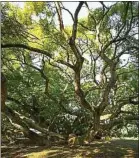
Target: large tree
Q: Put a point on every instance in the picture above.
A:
(65, 76)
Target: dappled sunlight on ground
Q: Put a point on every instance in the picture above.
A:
(97, 149)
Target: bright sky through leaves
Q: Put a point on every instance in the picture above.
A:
(83, 13)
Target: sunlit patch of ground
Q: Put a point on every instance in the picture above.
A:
(97, 149)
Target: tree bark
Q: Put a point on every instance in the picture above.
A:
(96, 121)
(3, 91)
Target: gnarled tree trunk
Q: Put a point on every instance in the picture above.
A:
(96, 121)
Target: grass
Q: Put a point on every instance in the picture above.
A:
(124, 148)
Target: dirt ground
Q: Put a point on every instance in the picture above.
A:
(97, 149)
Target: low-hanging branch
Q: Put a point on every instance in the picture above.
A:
(10, 45)
(28, 123)
(115, 122)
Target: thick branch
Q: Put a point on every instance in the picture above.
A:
(119, 120)
(27, 123)
(74, 30)
(79, 92)
(121, 103)
(26, 47)
(73, 37)
(109, 86)
(66, 63)
(59, 13)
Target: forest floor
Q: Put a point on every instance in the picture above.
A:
(119, 148)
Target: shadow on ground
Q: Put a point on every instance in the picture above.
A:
(98, 149)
